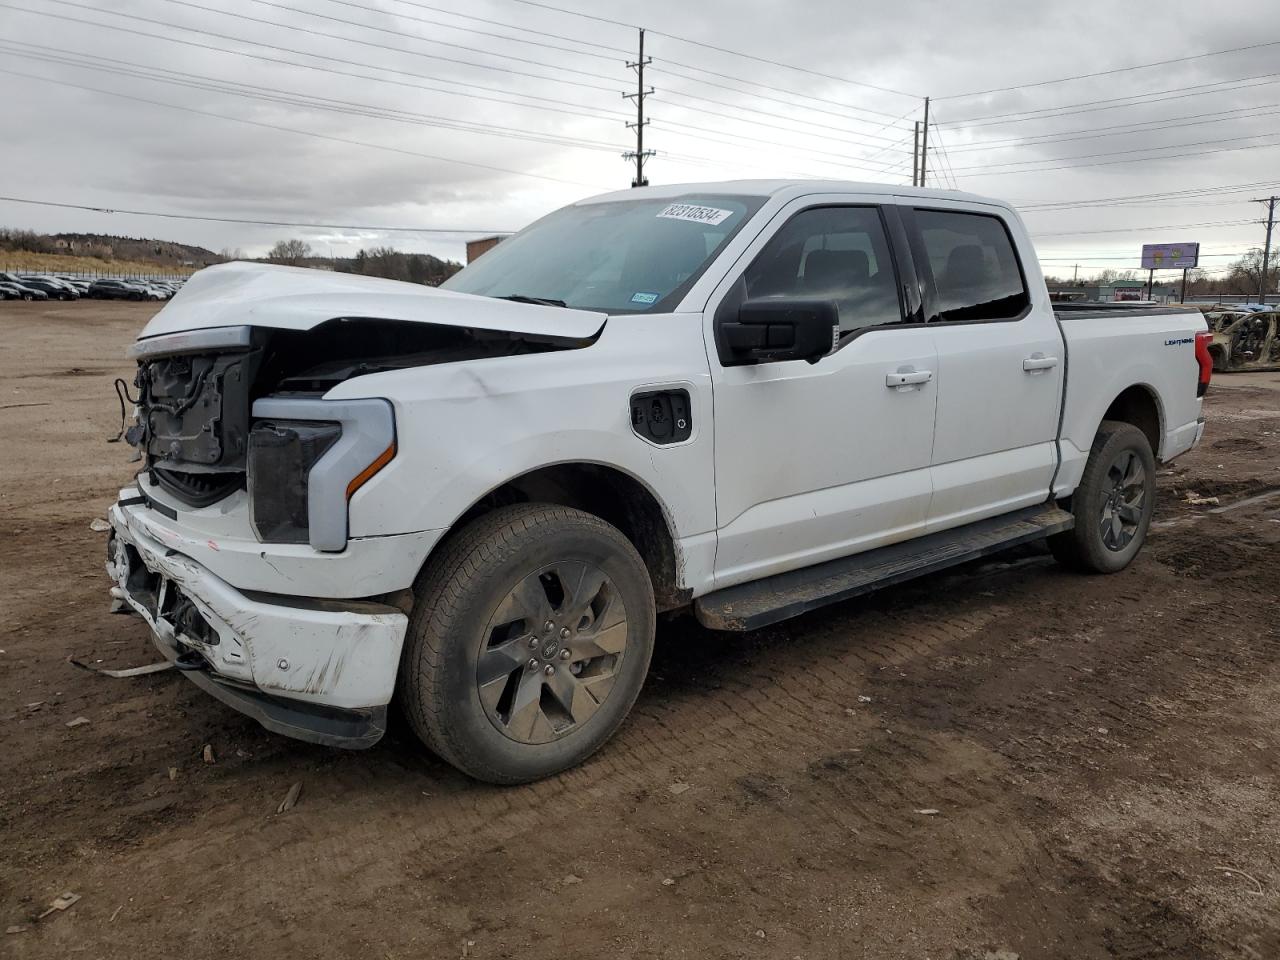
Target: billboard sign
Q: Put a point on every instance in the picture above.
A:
(1170, 256)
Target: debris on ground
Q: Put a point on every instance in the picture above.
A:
(1196, 500)
(928, 812)
(291, 798)
(173, 773)
(122, 674)
(864, 699)
(571, 879)
(668, 882)
(98, 525)
(68, 899)
(35, 705)
(16, 928)
(207, 753)
(115, 913)
(78, 722)
(678, 787)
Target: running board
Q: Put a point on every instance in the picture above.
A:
(749, 606)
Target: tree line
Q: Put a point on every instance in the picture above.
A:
(375, 262)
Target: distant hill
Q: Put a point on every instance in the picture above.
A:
(164, 253)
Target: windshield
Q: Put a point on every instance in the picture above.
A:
(626, 256)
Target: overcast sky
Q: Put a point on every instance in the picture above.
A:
(396, 113)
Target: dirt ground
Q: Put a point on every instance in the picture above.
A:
(1009, 760)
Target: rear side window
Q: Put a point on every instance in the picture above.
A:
(831, 253)
(975, 268)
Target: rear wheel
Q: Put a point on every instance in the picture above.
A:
(1113, 503)
(529, 642)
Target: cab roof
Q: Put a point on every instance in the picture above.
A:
(788, 190)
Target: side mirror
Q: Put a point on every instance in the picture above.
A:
(771, 330)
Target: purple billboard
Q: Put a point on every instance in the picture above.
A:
(1169, 256)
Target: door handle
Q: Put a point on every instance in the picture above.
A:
(1038, 362)
(905, 378)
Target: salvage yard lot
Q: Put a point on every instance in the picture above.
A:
(1009, 758)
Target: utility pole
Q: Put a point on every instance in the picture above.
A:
(1266, 250)
(915, 158)
(1075, 274)
(639, 154)
(924, 144)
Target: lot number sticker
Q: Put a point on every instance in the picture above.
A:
(687, 211)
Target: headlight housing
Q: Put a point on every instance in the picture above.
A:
(307, 457)
(281, 455)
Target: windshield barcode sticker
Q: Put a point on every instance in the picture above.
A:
(687, 211)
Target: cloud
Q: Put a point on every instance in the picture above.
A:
(368, 158)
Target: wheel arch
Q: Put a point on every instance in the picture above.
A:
(1139, 405)
(614, 496)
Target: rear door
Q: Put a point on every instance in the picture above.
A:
(815, 461)
(1000, 363)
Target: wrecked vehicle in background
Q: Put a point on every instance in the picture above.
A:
(748, 398)
(1243, 339)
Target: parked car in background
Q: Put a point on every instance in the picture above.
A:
(117, 290)
(17, 291)
(56, 289)
(23, 287)
(81, 285)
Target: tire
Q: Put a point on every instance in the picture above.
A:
(1112, 504)
(27, 297)
(478, 604)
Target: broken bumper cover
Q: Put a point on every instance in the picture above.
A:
(321, 671)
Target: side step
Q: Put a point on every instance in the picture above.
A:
(749, 606)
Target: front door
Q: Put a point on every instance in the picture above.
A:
(816, 461)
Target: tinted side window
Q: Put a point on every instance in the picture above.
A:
(975, 269)
(836, 253)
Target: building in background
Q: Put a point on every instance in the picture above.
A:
(1115, 291)
(477, 247)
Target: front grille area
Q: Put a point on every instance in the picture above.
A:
(198, 489)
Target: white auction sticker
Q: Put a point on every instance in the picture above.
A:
(687, 211)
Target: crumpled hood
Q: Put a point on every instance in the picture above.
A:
(297, 298)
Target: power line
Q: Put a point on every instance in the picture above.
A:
(501, 23)
(276, 95)
(1093, 106)
(817, 155)
(307, 133)
(383, 46)
(1123, 129)
(332, 36)
(1116, 153)
(1108, 163)
(1111, 72)
(244, 220)
(710, 46)
(1189, 191)
(668, 93)
(132, 31)
(765, 86)
(453, 26)
(1162, 226)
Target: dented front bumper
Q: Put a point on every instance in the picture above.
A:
(317, 670)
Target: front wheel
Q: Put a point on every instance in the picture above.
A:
(529, 642)
(1113, 503)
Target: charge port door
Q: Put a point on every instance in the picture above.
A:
(662, 416)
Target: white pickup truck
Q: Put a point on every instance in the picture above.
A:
(747, 398)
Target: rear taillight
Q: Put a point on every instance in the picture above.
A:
(1204, 360)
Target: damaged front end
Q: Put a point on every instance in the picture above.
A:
(241, 408)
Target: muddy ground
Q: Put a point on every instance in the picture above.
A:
(1101, 754)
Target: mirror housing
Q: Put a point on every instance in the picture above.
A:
(773, 330)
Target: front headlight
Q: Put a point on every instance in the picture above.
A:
(307, 457)
(281, 455)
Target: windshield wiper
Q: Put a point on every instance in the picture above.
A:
(540, 301)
